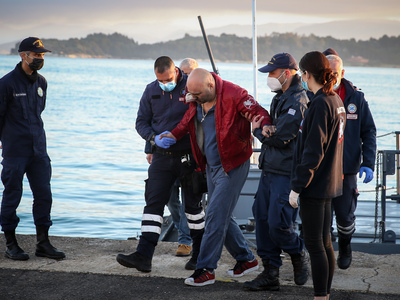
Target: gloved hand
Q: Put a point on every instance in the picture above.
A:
(369, 174)
(165, 142)
(293, 196)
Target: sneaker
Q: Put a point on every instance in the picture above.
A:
(243, 267)
(183, 250)
(191, 264)
(201, 277)
(135, 260)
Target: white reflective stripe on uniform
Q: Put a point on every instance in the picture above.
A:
(348, 228)
(195, 217)
(196, 226)
(153, 229)
(150, 217)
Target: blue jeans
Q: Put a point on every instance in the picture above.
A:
(220, 228)
(274, 218)
(178, 215)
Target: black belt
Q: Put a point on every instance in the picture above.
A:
(172, 153)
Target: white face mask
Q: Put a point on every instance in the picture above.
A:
(274, 83)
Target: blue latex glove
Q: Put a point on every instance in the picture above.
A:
(369, 174)
(165, 142)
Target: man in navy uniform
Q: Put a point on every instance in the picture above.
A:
(358, 156)
(22, 100)
(162, 108)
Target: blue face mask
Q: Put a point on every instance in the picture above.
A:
(169, 86)
(304, 84)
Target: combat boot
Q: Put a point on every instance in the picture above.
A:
(43, 246)
(196, 236)
(345, 255)
(135, 260)
(13, 251)
(267, 280)
(300, 267)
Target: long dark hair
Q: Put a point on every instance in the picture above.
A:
(318, 66)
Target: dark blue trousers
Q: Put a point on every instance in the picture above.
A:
(345, 206)
(38, 172)
(274, 218)
(163, 172)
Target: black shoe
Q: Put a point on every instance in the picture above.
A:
(43, 246)
(345, 256)
(135, 260)
(268, 280)
(300, 267)
(45, 249)
(16, 253)
(13, 251)
(191, 264)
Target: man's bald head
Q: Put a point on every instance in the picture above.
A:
(201, 85)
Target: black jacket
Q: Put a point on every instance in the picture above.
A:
(21, 105)
(318, 159)
(287, 111)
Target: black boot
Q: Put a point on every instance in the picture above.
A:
(300, 267)
(135, 260)
(345, 256)
(13, 251)
(196, 236)
(43, 246)
(267, 280)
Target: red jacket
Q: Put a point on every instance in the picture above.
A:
(232, 129)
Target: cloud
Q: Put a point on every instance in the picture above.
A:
(157, 20)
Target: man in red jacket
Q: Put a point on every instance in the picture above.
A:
(221, 143)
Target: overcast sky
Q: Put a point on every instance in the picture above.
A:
(149, 21)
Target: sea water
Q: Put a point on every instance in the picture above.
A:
(99, 165)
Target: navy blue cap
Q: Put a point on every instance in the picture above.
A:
(330, 51)
(280, 61)
(33, 44)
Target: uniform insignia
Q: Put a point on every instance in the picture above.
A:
(40, 91)
(351, 108)
(38, 44)
(341, 129)
(249, 102)
(182, 92)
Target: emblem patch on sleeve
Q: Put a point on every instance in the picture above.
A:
(249, 102)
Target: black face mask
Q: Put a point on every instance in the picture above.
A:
(37, 64)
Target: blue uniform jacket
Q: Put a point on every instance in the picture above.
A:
(360, 132)
(21, 104)
(160, 111)
(287, 111)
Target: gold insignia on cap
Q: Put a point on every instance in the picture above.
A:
(39, 44)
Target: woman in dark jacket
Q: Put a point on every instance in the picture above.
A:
(317, 173)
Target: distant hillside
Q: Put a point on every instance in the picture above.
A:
(373, 52)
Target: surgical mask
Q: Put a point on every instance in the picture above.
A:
(37, 63)
(336, 86)
(167, 87)
(274, 83)
(304, 84)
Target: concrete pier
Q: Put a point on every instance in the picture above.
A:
(90, 271)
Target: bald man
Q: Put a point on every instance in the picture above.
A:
(221, 144)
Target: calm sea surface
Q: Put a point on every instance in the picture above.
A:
(99, 166)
